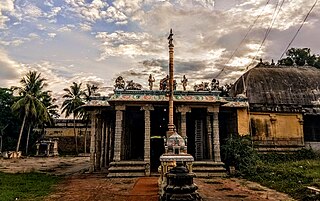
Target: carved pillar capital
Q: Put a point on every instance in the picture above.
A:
(147, 107)
(213, 109)
(183, 109)
(120, 107)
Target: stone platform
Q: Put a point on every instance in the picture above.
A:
(127, 169)
(207, 169)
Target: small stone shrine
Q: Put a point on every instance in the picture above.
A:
(47, 147)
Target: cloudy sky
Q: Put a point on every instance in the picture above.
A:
(97, 40)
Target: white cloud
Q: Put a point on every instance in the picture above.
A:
(67, 28)
(32, 11)
(85, 27)
(52, 35)
(114, 15)
(9, 70)
(33, 35)
(5, 6)
(54, 12)
(128, 44)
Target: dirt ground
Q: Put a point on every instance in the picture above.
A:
(81, 186)
(52, 165)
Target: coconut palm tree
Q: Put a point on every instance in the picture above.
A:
(52, 109)
(73, 100)
(30, 105)
(88, 92)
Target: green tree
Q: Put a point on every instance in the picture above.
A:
(52, 109)
(71, 105)
(88, 92)
(300, 57)
(30, 106)
(8, 121)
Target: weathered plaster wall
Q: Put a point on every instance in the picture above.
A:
(243, 121)
(65, 132)
(283, 129)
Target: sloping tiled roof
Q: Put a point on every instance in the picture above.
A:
(276, 85)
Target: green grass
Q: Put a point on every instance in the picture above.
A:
(26, 186)
(291, 177)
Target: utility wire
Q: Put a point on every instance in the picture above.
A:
(295, 35)
(245, 37)
(274, 17)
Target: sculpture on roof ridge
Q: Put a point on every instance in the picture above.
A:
(184, 82)
(133, 85)
(151, 80)
(214, 85)
(119, 83)
(225, 89)
(204, 86)
(164, 83)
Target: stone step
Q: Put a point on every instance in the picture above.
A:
(205, 169)
(126, 174)
(126, 169)
(210, 174)
(127, 163)
(208, 169)
(207, 163)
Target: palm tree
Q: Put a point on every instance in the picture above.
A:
(29, 104)
(88, 92)
(48, 102)
(73, 100)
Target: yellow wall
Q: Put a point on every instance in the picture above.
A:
(277, 128)
(64, 132)
(243, 121)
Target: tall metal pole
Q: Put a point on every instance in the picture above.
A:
(171, 124)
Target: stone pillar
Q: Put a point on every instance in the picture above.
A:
(48, 148)
(38, 147)
(118, 132)
(106, 143)
(147, 129)
(183, 110)
(103, 150)
(55, 147)
(216, 138)
(209, 136)
(92, 141)
(98, 150)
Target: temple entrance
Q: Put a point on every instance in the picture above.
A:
(311, 128)
(159, 127)
(197, 133)
(133, 138)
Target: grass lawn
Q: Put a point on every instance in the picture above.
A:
(26, 186)
(291, 177)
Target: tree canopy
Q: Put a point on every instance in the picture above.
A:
(300, 57)
(74, 98)
(9, 123)
(32, 102)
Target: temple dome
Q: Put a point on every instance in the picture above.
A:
(278, 85)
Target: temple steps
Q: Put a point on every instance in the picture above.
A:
(205, 169)
(127, 169)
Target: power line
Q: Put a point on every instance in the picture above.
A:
(295, 35)
(274, 17)
(245, 37)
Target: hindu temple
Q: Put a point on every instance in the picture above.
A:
(129, 128)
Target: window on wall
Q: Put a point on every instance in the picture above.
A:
(311, 128)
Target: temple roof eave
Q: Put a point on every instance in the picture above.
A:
(154, 97)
